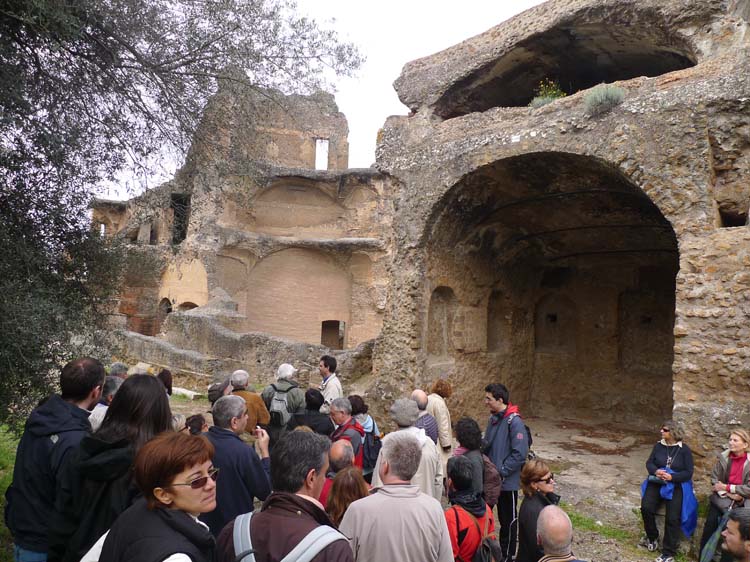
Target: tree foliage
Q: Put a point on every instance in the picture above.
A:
(88, 87)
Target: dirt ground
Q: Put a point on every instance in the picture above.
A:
(598, 471)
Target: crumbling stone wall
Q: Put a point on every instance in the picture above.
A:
(647, 321)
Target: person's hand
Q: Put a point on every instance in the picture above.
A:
(735, 497)
(667, 477)
(261, 440)
(720, 487)
(661, 474)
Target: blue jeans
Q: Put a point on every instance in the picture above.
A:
(23, 555)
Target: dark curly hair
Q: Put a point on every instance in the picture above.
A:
(468, 433)
(358, 404)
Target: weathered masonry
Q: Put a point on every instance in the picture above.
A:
(597, 265)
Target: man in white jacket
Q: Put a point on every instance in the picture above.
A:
(397, 521)
(429, 475)
(331, 385)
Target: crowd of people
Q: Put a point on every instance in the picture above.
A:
(105, 472)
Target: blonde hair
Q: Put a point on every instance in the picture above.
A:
(742, 434)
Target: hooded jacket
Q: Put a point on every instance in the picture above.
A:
(429, 476)
(507, 445)
(95, 488)
(353, 432)
(397, 523)
(52, 431)
(465, 534)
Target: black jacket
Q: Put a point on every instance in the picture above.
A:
(528, 549)
(143, 535)
(680, 457)
(319, 423)
(95, 487)
(52, 431)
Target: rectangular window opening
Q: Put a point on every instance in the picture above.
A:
(731, 219)
(321, 154)
(333, 334)
(180, 205)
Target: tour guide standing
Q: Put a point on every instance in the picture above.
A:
(507, 446)
(331, 385)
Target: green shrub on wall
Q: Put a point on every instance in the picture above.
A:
(546, 92)
(602, 99)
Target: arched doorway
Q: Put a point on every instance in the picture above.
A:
(564, 278)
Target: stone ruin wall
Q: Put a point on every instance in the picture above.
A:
(526, 251)
(597, 265)
(276, 261)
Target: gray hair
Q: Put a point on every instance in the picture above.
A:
(420, 397)
(341, 455)
(111, 385)
(285, 371)
(226, 408)
(239, 379)
(554, 531)
(118, 370)
(178, 422)
(404, 412)
(342, 405)
(402, 451)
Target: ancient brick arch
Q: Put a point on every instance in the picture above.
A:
(564, 268)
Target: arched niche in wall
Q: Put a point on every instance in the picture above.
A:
(440, 318)
(162, 310)
(187, 305)
(555, 325)
(293, 203)
(291, 293)
(580, 52)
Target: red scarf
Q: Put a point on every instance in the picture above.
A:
(735, 470)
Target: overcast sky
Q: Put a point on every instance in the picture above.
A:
(389, 33)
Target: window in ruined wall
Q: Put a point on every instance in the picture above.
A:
(555, 324)
(321, 154)
(332, 334)
(180, 205)
(440, 317)
(187, 306)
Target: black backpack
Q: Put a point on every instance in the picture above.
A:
(372, 445)
(530, 454)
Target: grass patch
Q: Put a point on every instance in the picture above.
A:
(585, 523)
(546, 92)
(8, 445)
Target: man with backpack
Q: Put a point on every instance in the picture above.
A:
(291, 519)
(506, 444)
(469, 518)
(283, 399)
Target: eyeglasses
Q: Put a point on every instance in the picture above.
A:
(198, 483)
(547, 480)
(665, 430)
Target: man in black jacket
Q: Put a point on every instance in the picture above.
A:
(52, 430)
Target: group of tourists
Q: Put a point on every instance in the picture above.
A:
(149, 486)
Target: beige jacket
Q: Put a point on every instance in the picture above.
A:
(331, 389)
(397, 523)
(429, 476)
(439, 409)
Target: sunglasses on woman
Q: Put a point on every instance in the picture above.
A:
(547, 480)
(198, 483)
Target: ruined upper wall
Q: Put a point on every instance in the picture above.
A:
(579, 43)
(244, 127)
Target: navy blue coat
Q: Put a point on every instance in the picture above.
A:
(243, 476)
(508, 445)
(52, 431)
